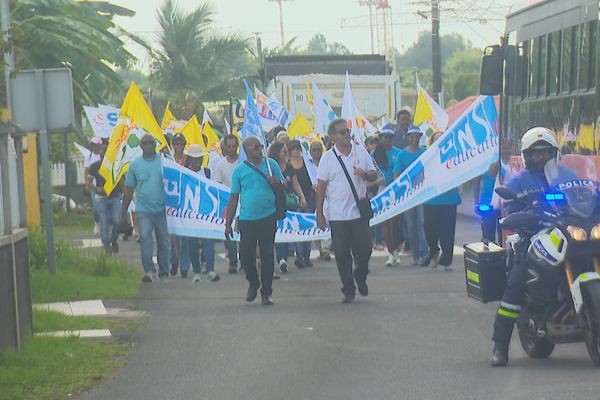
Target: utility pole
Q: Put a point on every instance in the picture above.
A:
(436, 60)
(370, 4)
(279, 2)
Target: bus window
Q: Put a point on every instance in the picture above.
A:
(593, 37)
(554, 42)
(523, 77)
(575, 40)
(567, 55)
(534, 68)
(542, 68)
(584, 57)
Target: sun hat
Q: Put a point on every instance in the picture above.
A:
(194, 150)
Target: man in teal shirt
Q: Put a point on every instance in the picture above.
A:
(257, 221)
(145, 178)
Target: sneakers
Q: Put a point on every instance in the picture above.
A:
(299, 263)
(213, 276)
(391, 261)
(276, 276)
(197, 278)
(283, 266)
(267, 301)
(232, 268)
(325, 256)
(148, 277)
(362, 287)
(252, 293)
(184, 274)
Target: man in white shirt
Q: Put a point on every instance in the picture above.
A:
(348, 230)
(223, 171)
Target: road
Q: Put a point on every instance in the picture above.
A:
(416, 336)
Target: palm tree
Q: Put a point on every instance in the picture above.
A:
(193, 63)
(77, 35)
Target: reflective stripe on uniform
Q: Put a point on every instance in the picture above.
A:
(508, 306)
(508, 313)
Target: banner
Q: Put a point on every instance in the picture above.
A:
(135, 120)
(196, 205)
(103, 119)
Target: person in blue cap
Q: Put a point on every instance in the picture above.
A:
(385, 156)
(414, 216)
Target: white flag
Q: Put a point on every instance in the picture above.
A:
(227, 126)
(322, 111)
(206, 118)
(356, 122)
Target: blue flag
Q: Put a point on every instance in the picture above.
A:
(252, 125)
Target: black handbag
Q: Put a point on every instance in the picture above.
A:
(364, 204)
(278, 191)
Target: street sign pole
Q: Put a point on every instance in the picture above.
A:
(46, 174)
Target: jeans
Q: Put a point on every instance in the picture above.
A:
(157, 222)
(263, 232)
(416, 233)
(281, 251)
(179, 255)
(440, 227)
(353, 236)
(193, 248)
(490, 227)
(232, 251)
(108, 211)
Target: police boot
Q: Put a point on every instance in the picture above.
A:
(499, 355)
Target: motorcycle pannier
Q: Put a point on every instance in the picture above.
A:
(485, 271)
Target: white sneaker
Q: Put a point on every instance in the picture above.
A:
(391, 261)
(197, 278)
(213, 276)
(283, 266)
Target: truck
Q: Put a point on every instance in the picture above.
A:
(375, 86)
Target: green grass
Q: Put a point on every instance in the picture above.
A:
(82, 275)
(53, 368)
(68, 225)
(47, 321)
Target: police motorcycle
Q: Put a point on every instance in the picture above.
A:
(557, 236)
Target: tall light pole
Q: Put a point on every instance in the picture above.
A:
(281, 20)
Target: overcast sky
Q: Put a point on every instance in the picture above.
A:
(304, 18)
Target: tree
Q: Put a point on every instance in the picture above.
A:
(419, 54)
(461, 74)
(318, 45)
(193, 63)
(77, 35)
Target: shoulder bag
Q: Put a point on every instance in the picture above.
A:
(278, 191)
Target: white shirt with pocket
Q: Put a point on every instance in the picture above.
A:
(341, 203)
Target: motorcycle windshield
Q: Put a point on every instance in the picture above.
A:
(574, 182)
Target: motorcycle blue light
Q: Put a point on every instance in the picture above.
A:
(484, 208)
(554, 196)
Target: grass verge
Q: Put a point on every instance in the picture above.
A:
(53, 368)
(82, 275)
(46, 321)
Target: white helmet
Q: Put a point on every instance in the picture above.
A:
(537, 138)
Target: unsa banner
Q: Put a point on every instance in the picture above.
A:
(196, 206)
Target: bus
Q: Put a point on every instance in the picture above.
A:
(546, 71)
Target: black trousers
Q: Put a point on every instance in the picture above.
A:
(263, 232)
(440, 227)
(351, 239)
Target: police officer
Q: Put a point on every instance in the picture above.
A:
(539, 150)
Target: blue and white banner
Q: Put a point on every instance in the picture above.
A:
(196, 206)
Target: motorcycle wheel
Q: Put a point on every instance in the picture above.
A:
(592, 313)
(534, 346)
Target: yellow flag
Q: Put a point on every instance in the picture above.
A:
(428, 113)
(212, 139)
(135, 120)
(171, 125)
(193, 132)
(300, 127)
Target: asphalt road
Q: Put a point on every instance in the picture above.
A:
(416, 336)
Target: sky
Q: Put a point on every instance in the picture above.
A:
(344, 21)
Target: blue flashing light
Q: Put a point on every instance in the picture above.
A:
(554, 196)
(484, 208)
